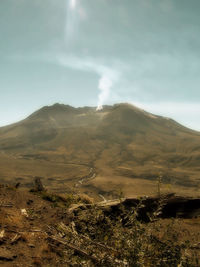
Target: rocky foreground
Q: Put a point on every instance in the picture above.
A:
(44, 229)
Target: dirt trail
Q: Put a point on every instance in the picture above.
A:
(92, 174)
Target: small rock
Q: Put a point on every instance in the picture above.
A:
(24, 212)
(15, 239)
(2, 233)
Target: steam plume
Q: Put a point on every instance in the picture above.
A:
(107, 76)
(105, 84)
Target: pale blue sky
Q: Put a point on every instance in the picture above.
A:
(141, 51)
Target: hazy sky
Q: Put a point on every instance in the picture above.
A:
(93, 52)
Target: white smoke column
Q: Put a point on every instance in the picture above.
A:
(74, 12)
(105, 84)
(108, 76)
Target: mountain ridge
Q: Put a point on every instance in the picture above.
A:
(121, 143)
(44, 111)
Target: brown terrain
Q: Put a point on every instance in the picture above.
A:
(45, 229)
(95, 166)
(101, 153)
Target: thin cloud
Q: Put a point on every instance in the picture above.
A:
(183, 112)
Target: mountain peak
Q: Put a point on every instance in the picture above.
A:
(52, 109)
(120, 140)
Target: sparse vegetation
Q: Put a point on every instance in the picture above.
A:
(74, 231)
(125, 241)
(66, 200)
(112, 154)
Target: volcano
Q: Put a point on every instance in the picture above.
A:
(118, 148)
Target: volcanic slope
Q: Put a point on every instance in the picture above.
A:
(120, 147)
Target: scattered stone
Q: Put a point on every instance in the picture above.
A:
(2, 233)
(24, 212)
(15, 239)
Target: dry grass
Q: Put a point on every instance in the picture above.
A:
(113, 238)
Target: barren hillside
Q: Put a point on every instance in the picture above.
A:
(119, 148)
